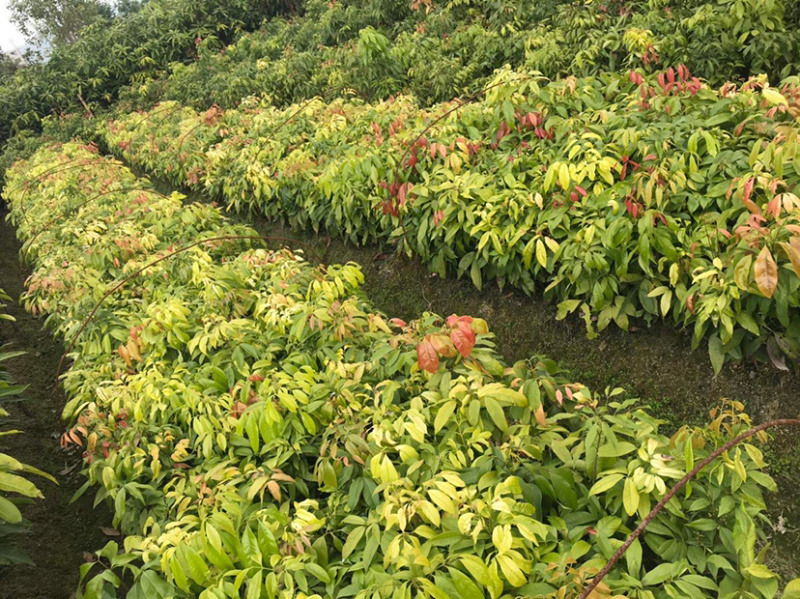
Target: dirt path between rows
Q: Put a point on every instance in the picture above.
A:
(61, 532)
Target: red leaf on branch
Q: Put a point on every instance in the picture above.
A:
(463, 338)
(427, 358)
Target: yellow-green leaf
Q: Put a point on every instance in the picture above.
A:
(630, 497)
(766, 272)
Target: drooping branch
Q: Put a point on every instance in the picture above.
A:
(51, 172)
(85, 203)
(160, 121)
(678, 486)
(157, 111)
(185, 248)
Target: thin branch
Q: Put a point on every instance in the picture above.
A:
(85, 105)
(459, 104)
(678, 486)
(126, 280)
(51, 172)
(84, 203)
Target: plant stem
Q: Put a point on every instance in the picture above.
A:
(678, 486)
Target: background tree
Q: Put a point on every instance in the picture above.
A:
(7, 65)
(56, 21)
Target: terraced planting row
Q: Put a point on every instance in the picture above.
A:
(621, 196)
(258, 429)
(439, 50)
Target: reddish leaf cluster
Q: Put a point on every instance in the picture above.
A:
(669, 84)
(458, 338)
(399, 195)
(578, 193)
(376, 129)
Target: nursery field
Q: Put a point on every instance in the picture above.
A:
(406, 299)
(255, 424)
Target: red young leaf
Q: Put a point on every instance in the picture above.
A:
(463, 338)
(427, 358)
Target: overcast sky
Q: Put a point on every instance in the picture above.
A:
(9, 36)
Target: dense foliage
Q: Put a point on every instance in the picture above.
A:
(258, 428)
(623, 196)
(173, 49)
(130, 49)
(14, 487)
(438, 49)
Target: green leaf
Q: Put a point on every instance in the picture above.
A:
(633, 558)
(477, 568)
(630, 497)
(443, 415)
(465, 587)
(352, 541)
(151, 586)
(605, 483)
(254, 586)
(475, 275)
(747, 322)
(760, 571)
(496, 413)
(716, 353)
(563, 176)
(774, 97)
(16, 484)
(541, 253)
(661, 573)
(9, 511)
(792, 590)
(318, 572)
(614, 450)
(511, 570)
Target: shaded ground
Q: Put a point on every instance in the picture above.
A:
(61, 532)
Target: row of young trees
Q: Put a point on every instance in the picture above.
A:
(88, 73)
(175, 49)
(259, 430)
